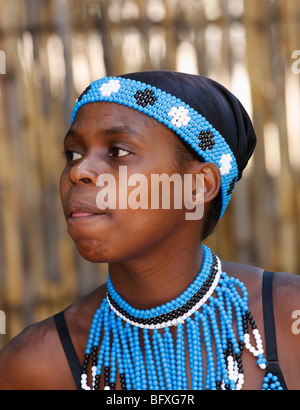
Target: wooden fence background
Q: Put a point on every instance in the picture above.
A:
(55, 48)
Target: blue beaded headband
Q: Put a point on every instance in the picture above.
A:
(201, 137)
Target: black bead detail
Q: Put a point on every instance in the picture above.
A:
(145, 97)
(97, 382)
(206, 139)
(85, 363)
(231, 186)
(106, 376)
(251, 320)
(84, 92)
(123, 381)
(94, 355)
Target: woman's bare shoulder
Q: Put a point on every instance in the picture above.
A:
(286, 303)
(286, 286)
(286, 294)
(35, 359)
(29, 360)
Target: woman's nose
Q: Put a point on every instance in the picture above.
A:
(83, 173)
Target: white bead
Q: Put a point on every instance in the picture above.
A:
(112, 87)
(225, 162)
(180, 116)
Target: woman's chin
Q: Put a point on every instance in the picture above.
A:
(92, 253)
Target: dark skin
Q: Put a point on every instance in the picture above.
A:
(138, 245)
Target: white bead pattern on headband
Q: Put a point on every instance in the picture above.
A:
(112, 87)
(180, 116)
(225, 163)
(187, 123)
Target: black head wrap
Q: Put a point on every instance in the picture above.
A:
(212, 100)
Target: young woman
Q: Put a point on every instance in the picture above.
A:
(172, 315)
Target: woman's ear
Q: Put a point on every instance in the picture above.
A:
(211, 180)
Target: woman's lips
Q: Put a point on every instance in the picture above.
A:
(83, 217)
(81, 214)
(76, 211)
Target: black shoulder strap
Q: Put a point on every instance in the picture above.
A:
(68, 346)
(270, 330)
(269, 321)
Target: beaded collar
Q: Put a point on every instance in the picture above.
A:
(211, 316)
(201, 137)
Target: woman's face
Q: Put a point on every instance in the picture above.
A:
(103, 138)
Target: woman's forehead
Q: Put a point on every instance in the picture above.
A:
(112, 120)
(97, 113)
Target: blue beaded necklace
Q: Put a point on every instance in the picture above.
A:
(204, 318)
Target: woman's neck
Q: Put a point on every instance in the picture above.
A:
(156, 279)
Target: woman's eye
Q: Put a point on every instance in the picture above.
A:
(72, 156)
(118, 152)
(76, 156)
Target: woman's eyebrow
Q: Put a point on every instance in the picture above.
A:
(117, 130)
(72, 133)
(122, 130)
